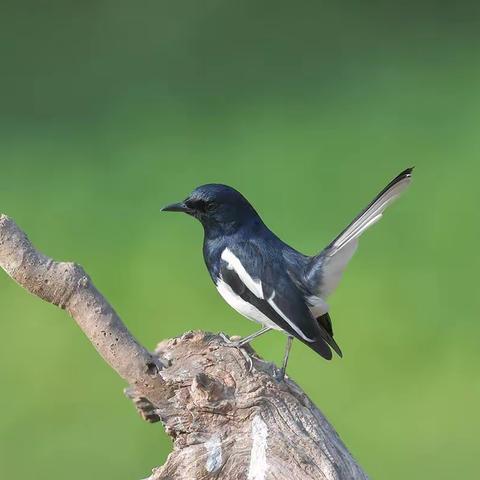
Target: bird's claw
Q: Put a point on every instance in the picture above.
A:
(230, 343)
(248, 359)
(238, 345)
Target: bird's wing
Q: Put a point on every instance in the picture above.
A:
(325, 269)
(271, 291)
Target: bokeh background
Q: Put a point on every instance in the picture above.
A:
(110, 109)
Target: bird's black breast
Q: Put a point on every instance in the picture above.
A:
(212, 252)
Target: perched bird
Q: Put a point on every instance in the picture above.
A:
(265, 279)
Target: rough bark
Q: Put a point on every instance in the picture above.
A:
(228, 415)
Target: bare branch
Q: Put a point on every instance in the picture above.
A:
(69, 287)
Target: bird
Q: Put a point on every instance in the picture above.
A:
(266, 280)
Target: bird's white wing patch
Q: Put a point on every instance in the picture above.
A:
(244, 308)
(254, 286)
(292, 324)
(233, 263)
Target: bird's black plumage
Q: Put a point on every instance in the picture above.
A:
(264, 257)
(265, 279)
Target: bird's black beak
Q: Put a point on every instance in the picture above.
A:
(176, 207)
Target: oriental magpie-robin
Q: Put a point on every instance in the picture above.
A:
(265, 279)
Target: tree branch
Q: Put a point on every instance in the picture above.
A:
(228, 415)
(66, 285)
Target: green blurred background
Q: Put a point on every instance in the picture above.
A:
(111, 109)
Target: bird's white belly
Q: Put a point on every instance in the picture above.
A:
(244, 308)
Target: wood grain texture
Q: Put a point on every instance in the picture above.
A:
(228, 415)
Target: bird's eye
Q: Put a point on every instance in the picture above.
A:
(210, 206)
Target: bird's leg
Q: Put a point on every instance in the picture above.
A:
(250, 337)
(281, 374)
(244, 340)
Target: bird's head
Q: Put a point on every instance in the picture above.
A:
(219, 208)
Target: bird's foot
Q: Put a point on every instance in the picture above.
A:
(279, 374)
(229, 342)
(238, 344)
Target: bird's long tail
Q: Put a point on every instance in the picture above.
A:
(326, 268)
(373, 212)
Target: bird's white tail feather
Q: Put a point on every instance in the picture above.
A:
(326, 269)
(372, 213)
